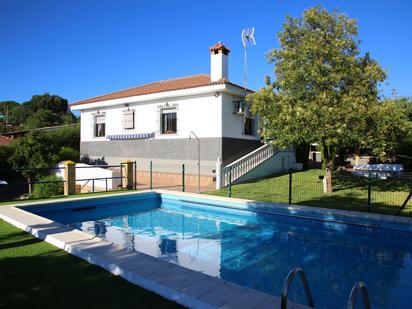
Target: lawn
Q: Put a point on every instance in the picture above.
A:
(350, 192)
(34, 274)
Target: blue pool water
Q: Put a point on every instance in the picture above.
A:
(253, 249)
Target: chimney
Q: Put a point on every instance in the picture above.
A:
(219, 62)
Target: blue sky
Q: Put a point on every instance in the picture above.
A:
(80, 49)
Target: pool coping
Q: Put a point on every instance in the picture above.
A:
(187, 287)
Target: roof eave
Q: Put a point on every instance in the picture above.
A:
(158, 96)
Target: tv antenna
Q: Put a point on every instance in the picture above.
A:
(248, 39)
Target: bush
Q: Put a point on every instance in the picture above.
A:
(68, 153)
(43, 190)
(87, 160)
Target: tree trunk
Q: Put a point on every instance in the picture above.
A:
(29, 184)
(328, 163)
(328, 177)
(357, 154)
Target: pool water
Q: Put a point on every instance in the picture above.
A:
(256, 249)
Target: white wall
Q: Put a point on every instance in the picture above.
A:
(200, 114)
(232, 124)
(219, 66)
(94, 172)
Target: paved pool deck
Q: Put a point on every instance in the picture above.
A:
(187, 287)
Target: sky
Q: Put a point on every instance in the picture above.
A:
(82, 48)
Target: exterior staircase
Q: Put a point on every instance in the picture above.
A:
(261, 162)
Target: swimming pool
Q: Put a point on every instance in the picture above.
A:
(256, 244)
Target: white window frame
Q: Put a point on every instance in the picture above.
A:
(125, 123)
(95, 123)
(166, 109)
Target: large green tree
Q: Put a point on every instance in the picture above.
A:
(41, 111)
(40, 149)
(323, 88)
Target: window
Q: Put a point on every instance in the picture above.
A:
(99, 126)
(168, 121)
(248, 129)
(128, 120)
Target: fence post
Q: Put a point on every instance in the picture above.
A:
(128, 174)
(369, 191)
(230, 181)
(290, 187)
(150, 176)
(69, 178)
(183, 178)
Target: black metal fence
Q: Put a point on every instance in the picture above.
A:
(152, 177)
(21, 181)
(351, 192)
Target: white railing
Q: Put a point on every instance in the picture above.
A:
(245, 164)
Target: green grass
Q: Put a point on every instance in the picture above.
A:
(350, 192)
(34, 274)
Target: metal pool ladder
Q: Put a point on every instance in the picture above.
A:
(359, 287)
(291, 275)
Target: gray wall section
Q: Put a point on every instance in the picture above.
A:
(234, 148)
(169, 154)
(173, 149)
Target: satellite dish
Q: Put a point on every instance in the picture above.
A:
(248, 36)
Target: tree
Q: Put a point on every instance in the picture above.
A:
(389, 129)
(7, 106)
(41, 111)
(34, 150)
(323, 88)
(39, 149)
(400, 125)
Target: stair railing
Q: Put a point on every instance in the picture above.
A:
(246, 163)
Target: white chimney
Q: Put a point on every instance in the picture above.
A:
(219, 62)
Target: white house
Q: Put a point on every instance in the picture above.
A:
(154, 121)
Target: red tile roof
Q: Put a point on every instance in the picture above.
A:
(161, 86)
(4, 140)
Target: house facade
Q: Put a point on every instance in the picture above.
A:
(153, 122)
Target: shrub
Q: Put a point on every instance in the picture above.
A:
(43, 190)
(68, 153)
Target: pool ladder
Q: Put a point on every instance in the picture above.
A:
(288, 281)
(358, 287)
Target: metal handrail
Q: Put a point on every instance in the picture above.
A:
(43, 182)
(100, 178)
(289, 278)
(359, 287)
